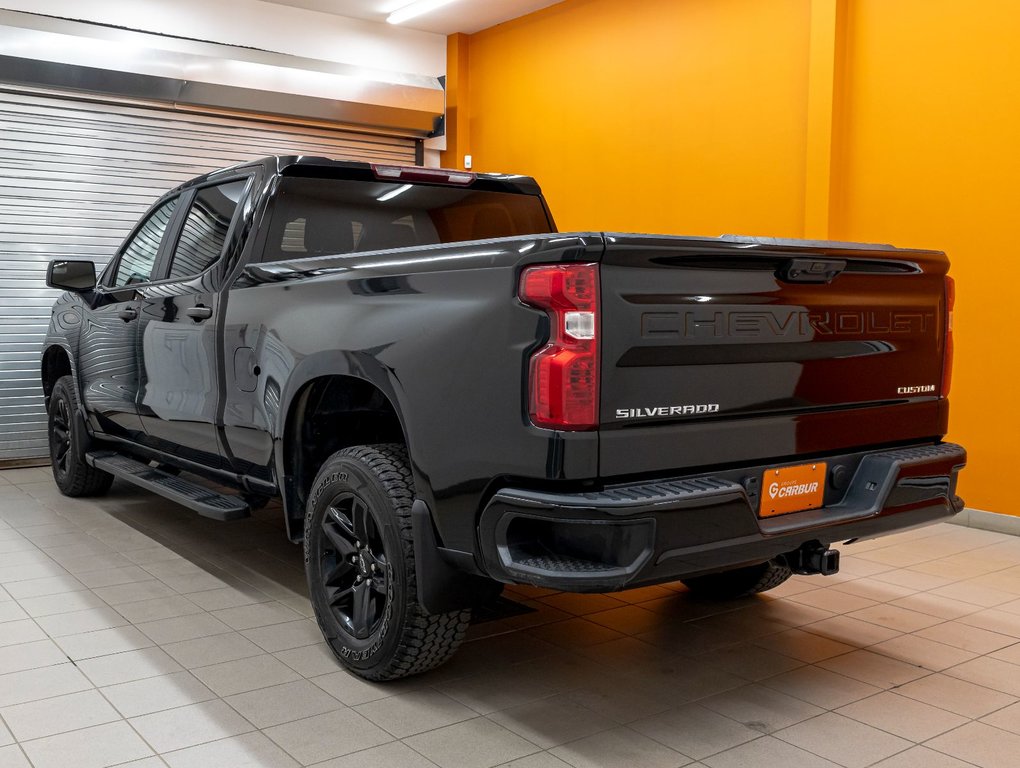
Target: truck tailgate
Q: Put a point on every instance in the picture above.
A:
(731, 350)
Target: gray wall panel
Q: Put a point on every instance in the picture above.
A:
(76, 174)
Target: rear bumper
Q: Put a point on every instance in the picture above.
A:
(644, 533)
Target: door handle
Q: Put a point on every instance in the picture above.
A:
(127, 314)
(198, 312)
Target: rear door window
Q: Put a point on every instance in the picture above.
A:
(204, 231)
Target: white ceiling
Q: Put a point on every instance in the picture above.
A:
(468, 16)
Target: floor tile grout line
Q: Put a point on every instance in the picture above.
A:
(156, 537)
(822, 757)
(3, 721)
(927, 744)
(883, 730)
(153, 748)
(830, 711)
(915, 745)
(399, 741)
(56, 695)
(895, 687)
(120, 718)
(21, 749)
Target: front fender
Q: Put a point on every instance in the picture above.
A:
(62, 338)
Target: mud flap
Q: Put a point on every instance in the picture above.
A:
(442, 587)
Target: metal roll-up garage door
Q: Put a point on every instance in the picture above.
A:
(75, 175)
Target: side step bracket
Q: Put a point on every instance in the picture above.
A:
(205, 501)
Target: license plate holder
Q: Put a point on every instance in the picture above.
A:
(792, 489)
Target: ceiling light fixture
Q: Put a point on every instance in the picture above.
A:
(417, 8)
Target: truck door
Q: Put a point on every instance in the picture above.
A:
(109, 365)
(179, 327)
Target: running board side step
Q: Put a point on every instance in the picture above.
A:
(205, 501)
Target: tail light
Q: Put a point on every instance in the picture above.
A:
(564, 374)
(947, 359)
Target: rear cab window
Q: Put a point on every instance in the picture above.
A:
(324, 216)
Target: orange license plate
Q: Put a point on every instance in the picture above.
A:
(792, 489)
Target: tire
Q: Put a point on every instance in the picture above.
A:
(739, 582)
(359, 560)
(68, 443)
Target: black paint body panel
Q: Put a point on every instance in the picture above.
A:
(797, 365)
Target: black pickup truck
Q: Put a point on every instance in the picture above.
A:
(450, 395)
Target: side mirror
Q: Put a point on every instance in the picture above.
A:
(74, 276)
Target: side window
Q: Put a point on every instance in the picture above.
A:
(139, 254)
(205, 230)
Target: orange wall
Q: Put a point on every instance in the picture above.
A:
(658, 115)
(929, 155)
(692, 116)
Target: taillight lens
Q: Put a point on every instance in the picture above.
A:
(564, 374)
(947, 359)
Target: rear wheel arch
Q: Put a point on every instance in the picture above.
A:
(327, 414)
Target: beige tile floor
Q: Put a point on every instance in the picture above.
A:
(133, 632)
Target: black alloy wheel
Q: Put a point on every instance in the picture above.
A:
(69, 443)
(354, 571)
(60, 439)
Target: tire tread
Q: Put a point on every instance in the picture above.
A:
(82, 478)
(740, 582)
(427, 640)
